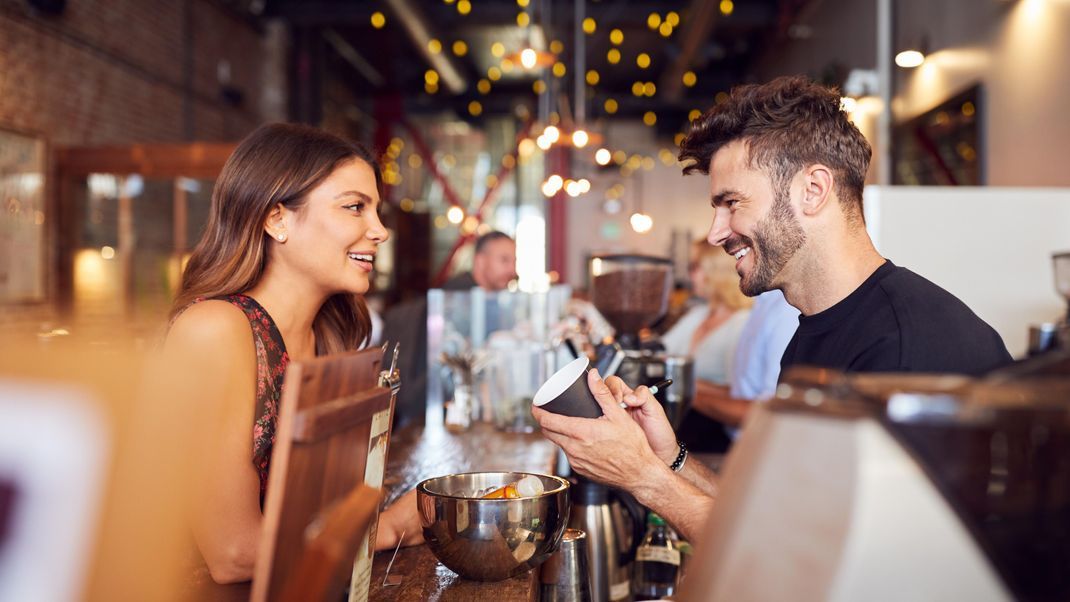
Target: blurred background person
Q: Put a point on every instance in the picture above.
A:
(493, 265)
(709, 333)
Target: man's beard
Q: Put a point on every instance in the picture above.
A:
(777, 237)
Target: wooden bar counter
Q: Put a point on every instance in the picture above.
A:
(420, 453)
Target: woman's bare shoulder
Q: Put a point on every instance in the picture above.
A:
(212, 324)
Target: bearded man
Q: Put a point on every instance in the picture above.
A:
(786, 172)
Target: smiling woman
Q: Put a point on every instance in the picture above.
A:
(286, 255)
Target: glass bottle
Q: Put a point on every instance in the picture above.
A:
(657, 561)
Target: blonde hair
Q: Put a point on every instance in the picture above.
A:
(722, 281)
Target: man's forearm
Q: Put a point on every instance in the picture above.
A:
(701, 477)
(677, 500)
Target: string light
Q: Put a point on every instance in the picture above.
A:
(522, 19)
(727, 6)
(610, 106)
(539, 86)
(650, 118)
(434, 46)
(464, 7)
(616, 37)
(602, 156)
(552, 133)
(460, 48)
(483, 86)
(559, 69)
(475, 108)
(556, 47)
(592, 77)
(497, 49)
(653, 20)
(643, 60)
(690, 79)
(580, 138)
(665, 29)
(378, 20)
(613, 56)
(589, 25)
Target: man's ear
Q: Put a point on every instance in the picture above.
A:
(817, 188)
(275, 224)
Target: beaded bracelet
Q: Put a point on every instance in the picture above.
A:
(678, 464)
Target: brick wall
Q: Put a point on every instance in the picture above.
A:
(115, 71)
(121, 72)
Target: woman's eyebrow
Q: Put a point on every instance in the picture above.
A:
(356, 193)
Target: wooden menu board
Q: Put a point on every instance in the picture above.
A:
(334, 431)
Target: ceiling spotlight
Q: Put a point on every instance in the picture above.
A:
(580, 138)
(602, 156)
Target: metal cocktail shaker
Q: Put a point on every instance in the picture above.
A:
(564, 577)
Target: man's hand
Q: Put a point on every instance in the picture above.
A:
(612, 449)
(648, 414)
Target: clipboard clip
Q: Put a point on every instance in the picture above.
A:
(390, 377)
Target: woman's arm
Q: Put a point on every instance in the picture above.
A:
(212, 343)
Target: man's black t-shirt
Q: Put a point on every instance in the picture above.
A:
(897, 321)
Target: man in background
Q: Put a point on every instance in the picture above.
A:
(493, 265)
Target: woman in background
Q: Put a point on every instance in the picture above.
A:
(709, 333)
(278, 275)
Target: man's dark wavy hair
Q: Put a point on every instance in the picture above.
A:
(787, 124)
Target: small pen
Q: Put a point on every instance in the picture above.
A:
(653, 389)
(660, 385)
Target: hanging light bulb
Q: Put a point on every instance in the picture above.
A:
(573, 188)
(580, 138)
(455, 215)
(543, 142)
(585, 185)
(602, 156)
(552, 134)
(528, 58)
(641, 222)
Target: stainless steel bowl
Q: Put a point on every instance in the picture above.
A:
(491, 540)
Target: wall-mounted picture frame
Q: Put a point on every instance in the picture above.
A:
(23, 230)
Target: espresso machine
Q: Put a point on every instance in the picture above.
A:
(897, 487)
(1054, 335)
(632, 293)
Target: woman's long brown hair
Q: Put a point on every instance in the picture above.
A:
(276, 164)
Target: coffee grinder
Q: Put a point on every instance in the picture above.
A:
(632, 293)
(1054, 335)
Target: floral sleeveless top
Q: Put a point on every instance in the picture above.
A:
(271, 362)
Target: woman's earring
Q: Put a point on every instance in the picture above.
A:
(281, 237)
